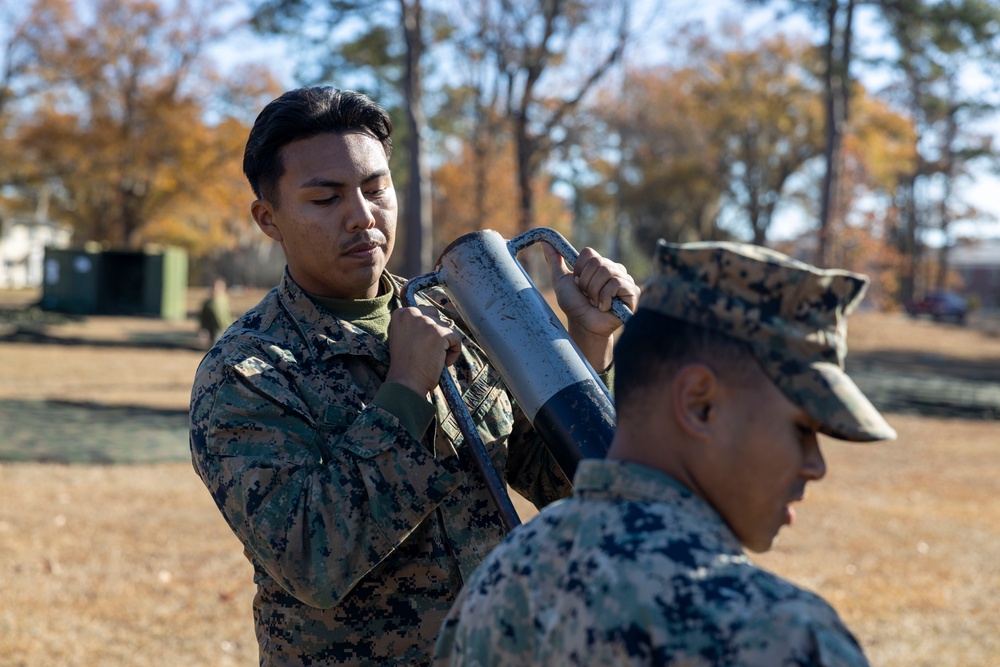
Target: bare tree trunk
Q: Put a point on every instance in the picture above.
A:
(830, 151)
(758, 221)
(619, 218)
(910, 246)
(948, 172)
(837, 97)
(479, 157)
(417, 205)
(525, 177)
(532, 260)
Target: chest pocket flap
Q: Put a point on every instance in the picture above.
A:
(262, 376)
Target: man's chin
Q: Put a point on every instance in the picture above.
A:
(761, 544)
(361, 283)
(366, 282)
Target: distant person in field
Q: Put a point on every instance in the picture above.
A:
(216, 313)
(731, 366)
(316, 420)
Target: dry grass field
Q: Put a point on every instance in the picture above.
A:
(131, 564)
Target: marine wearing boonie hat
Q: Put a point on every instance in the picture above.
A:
(793, 316)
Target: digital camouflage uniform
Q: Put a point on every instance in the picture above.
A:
(360, 535)
(635, 570)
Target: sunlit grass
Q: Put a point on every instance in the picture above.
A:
(119, 565)
(132, 565)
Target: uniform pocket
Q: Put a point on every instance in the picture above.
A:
(264, 378)
(363, 432)
(490, 411)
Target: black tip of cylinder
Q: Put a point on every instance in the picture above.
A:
(578, 422)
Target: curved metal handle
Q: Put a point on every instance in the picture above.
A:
(496, 487)
(568, 252)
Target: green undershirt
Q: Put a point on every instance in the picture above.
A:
(413, 411)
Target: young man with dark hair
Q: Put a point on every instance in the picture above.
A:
(316, 421)
(730, 367)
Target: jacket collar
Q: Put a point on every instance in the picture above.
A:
(612, 479)
(325, 335)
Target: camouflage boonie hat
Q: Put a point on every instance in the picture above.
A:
(793, 315)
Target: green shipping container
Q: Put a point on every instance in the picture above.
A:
(114, 282)
(71, 282)
(165, 283)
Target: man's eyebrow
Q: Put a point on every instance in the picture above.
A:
(318, 182)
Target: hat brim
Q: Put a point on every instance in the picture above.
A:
(827, 394)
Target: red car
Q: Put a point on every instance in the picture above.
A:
(941, 305)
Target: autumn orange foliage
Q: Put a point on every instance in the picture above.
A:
(461, 205)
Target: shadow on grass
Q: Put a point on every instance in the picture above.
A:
(181, 340)
(33, 325)
(928, 384)
(81, 432)
(900, 362)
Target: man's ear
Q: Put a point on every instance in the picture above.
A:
(263, 214)
(696, 390)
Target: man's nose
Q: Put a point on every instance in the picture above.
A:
(359, 215)
(813, 465)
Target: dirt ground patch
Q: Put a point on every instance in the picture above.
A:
(119, 566)
(132, 565)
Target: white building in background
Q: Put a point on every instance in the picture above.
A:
(22, 250)
(979, 265)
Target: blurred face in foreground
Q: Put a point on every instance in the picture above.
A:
(765, 451)
(336, 214)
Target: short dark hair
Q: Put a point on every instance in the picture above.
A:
(300, 114)
(654, 346)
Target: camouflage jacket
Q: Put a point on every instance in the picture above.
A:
(360, 536)
(635, 570)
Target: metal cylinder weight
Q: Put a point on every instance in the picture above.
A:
(551, 381)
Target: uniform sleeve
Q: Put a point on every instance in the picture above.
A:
(800, 632)
(531, 470)
(318, 504)
(413, 411)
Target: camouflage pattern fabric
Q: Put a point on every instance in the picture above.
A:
(792, 314)
(360, 536)
(635, 570)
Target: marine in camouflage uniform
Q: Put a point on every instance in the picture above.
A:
(216, 314)
(360, 535)
(348, 490)
(645, 564)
